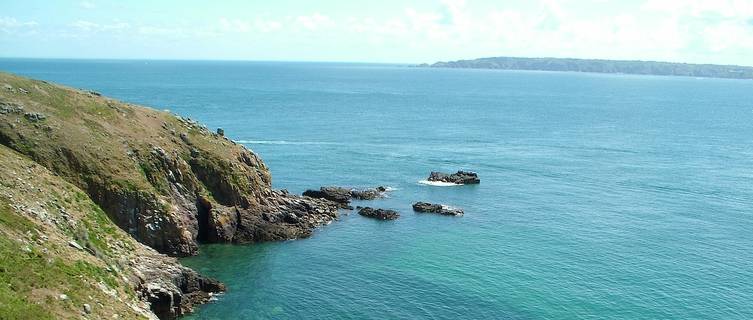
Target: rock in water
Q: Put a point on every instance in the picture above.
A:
(437, 208)
(460, 177)
(339, 195)
(368, 194)
(381, 214)
(342, 196)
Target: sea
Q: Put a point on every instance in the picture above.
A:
(602, 196)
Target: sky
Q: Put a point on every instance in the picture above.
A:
(384, 31)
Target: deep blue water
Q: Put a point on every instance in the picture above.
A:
(602, 196)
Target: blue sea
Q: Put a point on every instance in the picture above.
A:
(601, 196)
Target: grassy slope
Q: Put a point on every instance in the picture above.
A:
(107, 148)
(110, 137)
(39, 214)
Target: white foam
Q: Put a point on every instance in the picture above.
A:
(284, 142)
(439, 183)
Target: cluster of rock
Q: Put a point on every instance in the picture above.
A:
(437, 208)
(460, 177)
(380, 214)
(343, 196)
(15, 90)
(170, 289)
(34, 116)
(9, 107)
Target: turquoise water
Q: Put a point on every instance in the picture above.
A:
(602, 196)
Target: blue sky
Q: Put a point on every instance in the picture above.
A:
(699, 31)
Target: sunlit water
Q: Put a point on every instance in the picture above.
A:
(601, 196)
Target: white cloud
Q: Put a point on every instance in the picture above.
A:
(9, 25)
(679, 30)
(244, 26)
(315, 21)
(8, 22)
(88, 26)
(265, 25)
(234, 25)
(87, 5)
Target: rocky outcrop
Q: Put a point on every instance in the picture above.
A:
(368, 194)
(171, 289)
(166, 180)
(339, 195)
(380, 214)
(460, 177)
(437, 208)
(58, 225)
(342, 196)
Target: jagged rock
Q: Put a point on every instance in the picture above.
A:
(8, 108)
(460, 177)
(87, 308)
(339, 195)
(381, 214)
(437, 208)
(221, 132)
(368, 194)
(22, 90)
(342, 196)
(34, 116)
(171, 289)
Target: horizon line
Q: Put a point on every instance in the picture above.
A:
(360, 62)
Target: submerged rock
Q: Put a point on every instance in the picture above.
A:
(460, 177)
(381, 214)
(437, 208)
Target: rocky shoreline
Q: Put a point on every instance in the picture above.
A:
(167, 183)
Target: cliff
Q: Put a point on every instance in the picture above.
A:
(61, 257)
(165, 181)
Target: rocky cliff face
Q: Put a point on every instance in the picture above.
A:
(62, 258)
(166, 180)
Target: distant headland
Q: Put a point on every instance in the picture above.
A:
(602, 66)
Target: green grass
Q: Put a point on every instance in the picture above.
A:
(26, 269)
(13, 221)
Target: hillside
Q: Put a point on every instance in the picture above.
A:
(61, 257)
(603, 66)
(123, 181)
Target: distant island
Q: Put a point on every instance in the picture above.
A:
(602, 66)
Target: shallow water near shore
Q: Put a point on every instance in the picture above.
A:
(601, 196)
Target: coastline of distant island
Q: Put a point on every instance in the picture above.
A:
(602, 66)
